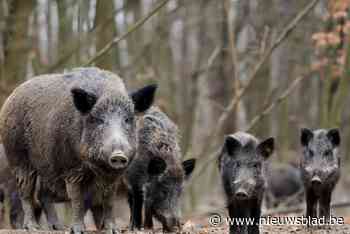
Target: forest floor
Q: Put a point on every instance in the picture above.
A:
(197, 229)
(343, 229)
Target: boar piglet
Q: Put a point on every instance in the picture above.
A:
(242, 165)
(156, 176)
(320, 167)
(283, 183)
(77, 132)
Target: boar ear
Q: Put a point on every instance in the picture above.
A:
(266, 147)
(334, 136)
(188, 166)
(232, 145)
(306, 136)
(83, 100)
(156, 166)
(143, 98)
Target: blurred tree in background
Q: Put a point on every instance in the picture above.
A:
(202, 53)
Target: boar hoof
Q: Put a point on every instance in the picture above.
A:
(77, 229)
(56, 226)
(31, 226)
(112, 229)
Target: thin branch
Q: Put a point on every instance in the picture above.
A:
(116, 40)
(209, 63)
(277, 102)
(233, 104)
(263, 44)
(232, 44)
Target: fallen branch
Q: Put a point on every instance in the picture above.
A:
(116, 40)
(233, 104)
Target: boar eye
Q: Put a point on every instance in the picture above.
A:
(256, 165)
(128, 120)
(95, 120)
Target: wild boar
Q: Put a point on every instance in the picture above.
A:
(284, 184)
(156, 176)
(242, 165)
(77, 132)
(320, 167)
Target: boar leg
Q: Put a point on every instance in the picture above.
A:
(255, 214)
(75, 194)
(237, 212)
(136, 212)
(148, 218)
(25, 181)
(311, 204)
(97, 213)
(51, 215)
(131, 207)
(108, 214)
(324, 206)
(16, 211)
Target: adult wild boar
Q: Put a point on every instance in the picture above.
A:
(77, 132)
(157, 175)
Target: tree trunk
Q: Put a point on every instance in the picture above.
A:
(17, 43)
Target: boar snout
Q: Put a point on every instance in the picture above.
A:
(241, 194)
(118, 160)
(316, 181)
(244, 188)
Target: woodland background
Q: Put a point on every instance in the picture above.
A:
(268, 67)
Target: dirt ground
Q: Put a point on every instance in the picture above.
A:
(341, 229)
(199, 224)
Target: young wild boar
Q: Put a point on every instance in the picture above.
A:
(242, 165)
(283, 182)
(77, 132)
(156, 176)
(320, 168)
